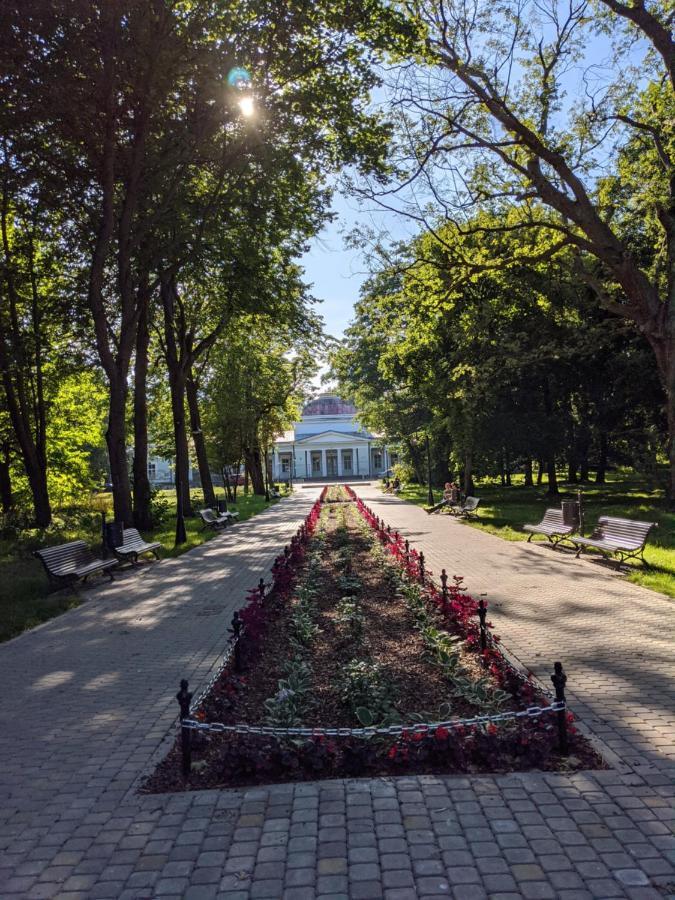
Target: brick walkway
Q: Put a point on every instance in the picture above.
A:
(87, 703)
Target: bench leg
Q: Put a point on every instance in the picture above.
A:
(578, 553)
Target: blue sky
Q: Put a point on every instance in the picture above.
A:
(336, 272)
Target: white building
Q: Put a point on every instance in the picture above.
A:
(327, 444)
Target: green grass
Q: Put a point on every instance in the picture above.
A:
(25, 598)
(504, 511)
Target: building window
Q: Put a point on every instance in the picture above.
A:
(377, 460)
(152, 471)
(285, 463)
(346, 462)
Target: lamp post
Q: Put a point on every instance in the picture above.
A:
(430, 495)
(267, 481)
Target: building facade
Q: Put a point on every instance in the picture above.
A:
(329, 444)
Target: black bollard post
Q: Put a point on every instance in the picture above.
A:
(422, 575)
(235, 631)
(444, 590)
(261, 590)
(184, 698)
(482, 613)
(559, 680)
(407, 552)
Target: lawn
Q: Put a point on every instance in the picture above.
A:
(504, 510)
(25, 598)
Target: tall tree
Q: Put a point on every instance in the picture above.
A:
(509, 113)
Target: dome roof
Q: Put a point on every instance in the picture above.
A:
(328, 405)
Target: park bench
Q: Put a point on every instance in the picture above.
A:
(552, 525)
(69, 562)
(133, 546)
(468, 508)
(215, 520)
(624, 537)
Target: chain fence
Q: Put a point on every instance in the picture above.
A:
(190, 723)
(531, 712)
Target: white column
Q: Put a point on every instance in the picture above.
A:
(339, 462)
(324, 467)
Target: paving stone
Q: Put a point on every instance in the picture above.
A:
(80, 831)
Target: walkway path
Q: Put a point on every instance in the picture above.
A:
(87, 704)
(616, 640)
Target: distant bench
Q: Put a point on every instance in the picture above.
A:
(217, 520)
(133, 546)
(552, 525)
(68, 563)
(624, 537)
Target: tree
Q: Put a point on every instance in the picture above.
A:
(492, 124)
(256, 385)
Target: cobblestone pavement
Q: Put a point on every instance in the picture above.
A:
(87, 702)
(615, 639)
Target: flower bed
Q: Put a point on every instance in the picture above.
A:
(355, 636)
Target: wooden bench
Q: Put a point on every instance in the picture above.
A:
(552, 525)
(133, 546)
(468, 509)
(215, 520)
(625, 538)
(67, 563)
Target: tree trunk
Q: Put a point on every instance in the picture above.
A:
(254, 466)
(416, 461)
(199, 442)
(528, 473)
(6, 498)
(142, 509)
(552, 477)
(115, 437)
(583, 468)
(468, 473)
(540, 472)
(182, 461)
(572, 474)
(601, 470)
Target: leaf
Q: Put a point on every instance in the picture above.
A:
(364, 716)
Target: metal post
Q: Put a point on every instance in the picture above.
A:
(482, 613)
(235, 631)
(422, 575)
(430, 495)
(184, 698)
(103, 540)
(444, 590)
(580, 502)
(407, 552)
(559, 680)
(261, 589)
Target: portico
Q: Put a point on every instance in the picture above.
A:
(328, 443)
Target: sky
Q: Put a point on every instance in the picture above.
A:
(336, 272)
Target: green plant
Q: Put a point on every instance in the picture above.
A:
(350, 615)
(365, 685)
(481, 693)
(285, 708)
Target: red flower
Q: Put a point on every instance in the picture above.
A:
(492, 728)
(442, 733)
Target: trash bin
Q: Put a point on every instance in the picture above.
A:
(570, 511)
(113, 534)
(222, 506)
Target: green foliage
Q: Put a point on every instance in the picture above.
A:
(365, 685)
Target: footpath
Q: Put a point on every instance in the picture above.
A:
(87, 706)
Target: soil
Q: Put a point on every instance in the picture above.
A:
(389, 638)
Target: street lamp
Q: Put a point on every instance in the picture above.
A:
(430, 495)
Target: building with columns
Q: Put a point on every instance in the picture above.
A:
(328, 444)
